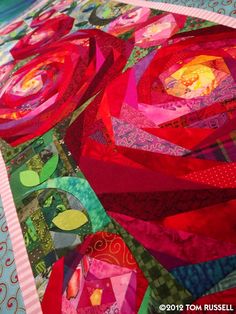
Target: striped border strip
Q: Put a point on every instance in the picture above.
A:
(25, 275)
(24, 271)
(195, 12)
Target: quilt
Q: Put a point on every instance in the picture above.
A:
(118, 157)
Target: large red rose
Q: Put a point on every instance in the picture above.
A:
(102, 265)
(137, 144)
(198, 73)
(45, 34)
(54, 84)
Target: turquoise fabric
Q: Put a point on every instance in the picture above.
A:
(11, 300)
(81, 189)
(10, 9)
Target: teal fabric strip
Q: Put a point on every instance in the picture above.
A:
(11, 300)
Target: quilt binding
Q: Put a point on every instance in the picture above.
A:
(179, 9)
(24, 272)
